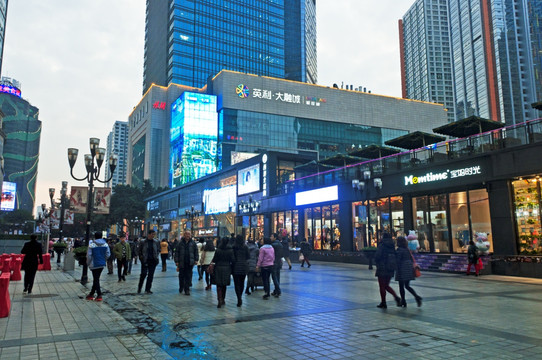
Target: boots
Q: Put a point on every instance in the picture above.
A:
(140, 286)
(219, 296)
(224, 295)
(164, 268)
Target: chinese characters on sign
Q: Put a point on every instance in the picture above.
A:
(243, 92)
(448, 174)
(159, 105)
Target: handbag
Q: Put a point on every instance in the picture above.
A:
(210, 269)
(301, 257)
(415, 267)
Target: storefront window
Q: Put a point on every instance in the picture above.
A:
(420, 211)
(397, 219)
(372, 226)
(439, 223)
(336, 233)
(322, 227)
(459, 221)
(383, 215)
(359, 212)
(527, 211)
(480, 216)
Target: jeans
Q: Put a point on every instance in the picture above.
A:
(185, 278)
(147, 271)
(275, 275)
(266, 272)
(29, 276)
(207, 276)
(122, 265)
(96, 282)
(130, 262)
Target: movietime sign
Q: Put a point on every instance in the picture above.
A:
(442, 176)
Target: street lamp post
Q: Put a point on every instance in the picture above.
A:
(158, 220)
(134, 223)
(191, 215)
(51, 195)
(93, 173)
(62, 205)
(249, 207)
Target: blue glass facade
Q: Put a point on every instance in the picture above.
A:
(3, 16)
(252, 36)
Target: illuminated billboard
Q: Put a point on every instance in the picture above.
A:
(330, 193)
(193, 138)
(218, 201)
(9, 191)
(248, 180)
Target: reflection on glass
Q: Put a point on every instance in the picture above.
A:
(397, 220)
(439, 224)
(480, 216)
(459, 219)
(420, 212)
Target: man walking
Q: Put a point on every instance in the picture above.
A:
(123, 253)
(275, 275)
(133, 252)
(186, 255)
(149, 251)
(97, 254)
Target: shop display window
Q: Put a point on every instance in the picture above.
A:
(480, 215)
(459, 221)
(420, 209)
(397, 219)
(359, 213)
(527, 213)
(322, 227)
(439, 223)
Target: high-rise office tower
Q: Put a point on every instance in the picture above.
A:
(117, 143)
(3, 17)
(186, 42)
(426, 67)
(495, 55)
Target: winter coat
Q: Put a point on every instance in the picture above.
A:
(472, 254)
(223, 260)
(285, 248)
(142, 250)
(97, 254)
(32, 250)
(253, 251)
(305, 248)
(117, 250)
(384, 256)
(207, 257)
(164, 247)
(241, 256)
(277, 246)
(192, 251)
(266, 256)
(133, 248)
(405, 269)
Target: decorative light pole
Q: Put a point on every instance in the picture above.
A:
(158, 220)
(51, 196)
(190, 216)
(93, 173)
(63, 192)
(135, 221)
(250, 208)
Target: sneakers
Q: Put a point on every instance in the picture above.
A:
(90, 297)
(98, 298)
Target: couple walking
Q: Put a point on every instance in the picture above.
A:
(390, 262)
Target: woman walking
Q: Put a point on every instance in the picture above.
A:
(223, 261)
(386, 264)
(240, 267)
(32, 250)
(207, 255)
(164, 253)
(405, 271)
(266, 262)
(306, 252)
(253, 251)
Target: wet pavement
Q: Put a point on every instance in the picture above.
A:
(325, 312)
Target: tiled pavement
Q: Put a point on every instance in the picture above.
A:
(325, 312)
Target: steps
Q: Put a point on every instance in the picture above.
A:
(447, 262)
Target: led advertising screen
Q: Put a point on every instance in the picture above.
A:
(248, 180)
(330, 193)
(9, 192)
(218, 201)
(193, 138)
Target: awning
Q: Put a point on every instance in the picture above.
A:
(469, 126)
(341, 160)
(415, 140)
(374, 152)
(537, 105)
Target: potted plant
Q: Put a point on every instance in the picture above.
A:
(80, 254)
(369, 252)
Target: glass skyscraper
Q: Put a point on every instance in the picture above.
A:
(187, 41)
(3, 17)
(494, 50)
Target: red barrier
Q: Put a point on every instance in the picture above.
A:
(16, 274)
(6, 267)
(46, 262)
(5, 301)
(13, 257)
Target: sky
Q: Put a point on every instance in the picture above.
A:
(81, 63)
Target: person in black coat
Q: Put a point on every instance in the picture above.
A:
(405, 271)
(306, 251)
(223, 260)
(386, 265)
(275, 275)
(186, 255)
(286, 251)
(32, 250)
(472, 254)
(240, 267)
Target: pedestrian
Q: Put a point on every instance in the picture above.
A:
(97, 254)
(286, 251)
(206, 258)
(51, 251)
(306, 252)
(472, 254)
(275, 275)
(386, 264)
(32, 251)
(133, 247)
(405, 271)
(59, 248)
(240, 267)
(200, 244)
(135, 252)
(265, 264)
(223, 261)
(111, 258)
(164, 253)
(253, 251)
(148, 255)
(122, 252)
(186, 256)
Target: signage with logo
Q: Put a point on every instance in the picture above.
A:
(330, 193)
(248, 180)
(9, 193)
(430, 177)
(277, 95)
(218, 201)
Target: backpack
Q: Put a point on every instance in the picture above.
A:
(391, 262)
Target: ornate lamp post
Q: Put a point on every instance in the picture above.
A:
(93, 172)
(51, 196)
(158, 220)
(190, 216)
(63, 192)
(137, 223)
(250, 208)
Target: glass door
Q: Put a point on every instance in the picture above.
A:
(439, 222)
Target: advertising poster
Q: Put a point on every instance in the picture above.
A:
(9, 191)
(102, 200)
(78, 199)
(218, 201)
(248, 180)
